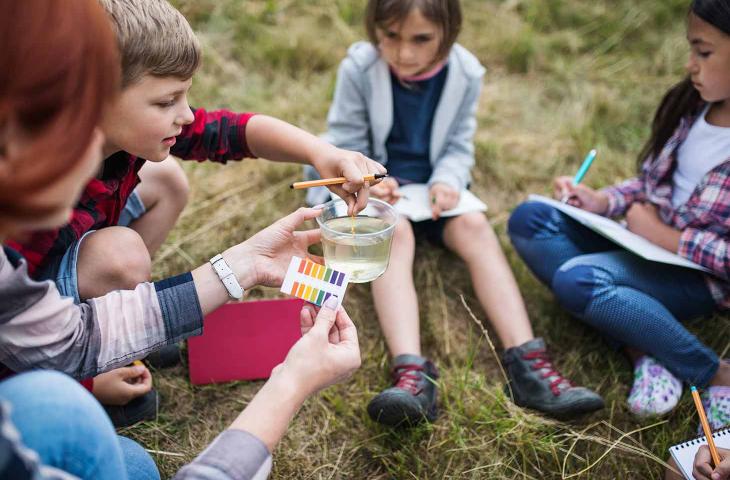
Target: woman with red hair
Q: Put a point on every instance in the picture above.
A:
(58, 70)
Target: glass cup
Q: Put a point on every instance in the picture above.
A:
(358, 245)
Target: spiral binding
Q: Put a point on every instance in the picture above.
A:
(698, 440)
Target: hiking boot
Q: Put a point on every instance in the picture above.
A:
(412, 398)
(138, 410)
(536, 384)
(165, 357)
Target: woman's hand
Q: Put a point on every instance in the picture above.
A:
(703, 465)
(336, 162)
(328, 351)
(387, 190)
(264, 258)
(121, 386)
(443, 198)
(580, 196)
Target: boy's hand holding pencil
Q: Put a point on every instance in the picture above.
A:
(703, 465)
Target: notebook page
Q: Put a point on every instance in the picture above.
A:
(684, 453)
(620, 235)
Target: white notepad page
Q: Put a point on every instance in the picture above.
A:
(620, 235)
(416, 203)
(684, 453)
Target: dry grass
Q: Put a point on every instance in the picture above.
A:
(563, 76)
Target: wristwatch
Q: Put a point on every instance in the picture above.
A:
(227, 276)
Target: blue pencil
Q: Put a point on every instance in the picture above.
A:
(582, 171)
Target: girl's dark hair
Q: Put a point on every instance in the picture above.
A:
(444, 13)
(683, 98)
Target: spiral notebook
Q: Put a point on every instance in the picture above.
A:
(684, 453)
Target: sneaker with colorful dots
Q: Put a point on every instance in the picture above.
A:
(655, 391)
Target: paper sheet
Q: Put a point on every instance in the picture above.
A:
(620, 235)
(416, 203)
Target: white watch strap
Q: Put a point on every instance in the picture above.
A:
(227, 277)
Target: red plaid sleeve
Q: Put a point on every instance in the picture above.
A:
(219, 136)
(622, 195)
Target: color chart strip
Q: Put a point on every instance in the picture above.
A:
(313, 282)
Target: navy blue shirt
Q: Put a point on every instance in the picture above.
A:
(408, 144)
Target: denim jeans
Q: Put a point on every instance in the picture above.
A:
(65, 425)
(632, 301)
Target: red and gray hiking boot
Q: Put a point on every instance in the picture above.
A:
(536, 384)
(412, 398)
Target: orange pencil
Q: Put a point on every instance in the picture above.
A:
(334, 181)
(705, 426)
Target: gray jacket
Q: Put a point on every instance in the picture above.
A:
(361, 115)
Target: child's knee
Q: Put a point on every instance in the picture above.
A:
(117, 257)
(529, 219)
(403, 233)
(575, 286)
(472, 225)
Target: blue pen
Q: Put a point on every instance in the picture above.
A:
(582, 171)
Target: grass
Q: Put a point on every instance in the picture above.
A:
(563, 76)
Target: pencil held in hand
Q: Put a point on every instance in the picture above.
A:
(334, 181)
(705, 426)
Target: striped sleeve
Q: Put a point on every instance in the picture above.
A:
(41, 329)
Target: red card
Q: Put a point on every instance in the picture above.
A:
(244, 341)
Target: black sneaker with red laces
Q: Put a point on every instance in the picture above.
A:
(536, 384)
(412, 398)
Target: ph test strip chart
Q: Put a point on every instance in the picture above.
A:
(313, 282)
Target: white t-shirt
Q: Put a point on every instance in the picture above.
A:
(705, 147)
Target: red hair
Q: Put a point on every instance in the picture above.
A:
(58, 70)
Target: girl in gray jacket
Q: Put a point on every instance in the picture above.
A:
(408, 99)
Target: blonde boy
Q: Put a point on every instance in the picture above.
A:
(126, 212)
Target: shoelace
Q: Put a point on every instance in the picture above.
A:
(543, 364)
(405, 376)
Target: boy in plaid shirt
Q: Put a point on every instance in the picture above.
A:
(126, 212)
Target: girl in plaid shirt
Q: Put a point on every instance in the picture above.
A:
(680, 200)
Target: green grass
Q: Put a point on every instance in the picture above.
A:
(563, 76)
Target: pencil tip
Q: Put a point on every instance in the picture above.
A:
(291, 186)
(380, 175)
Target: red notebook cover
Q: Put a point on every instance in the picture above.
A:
(244, 341)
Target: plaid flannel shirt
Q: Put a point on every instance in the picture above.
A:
(218, 136)
(704, 219)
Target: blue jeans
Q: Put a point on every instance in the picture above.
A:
(68, 429)
(632, 301)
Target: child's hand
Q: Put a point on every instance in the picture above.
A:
(121, 386)
(387, 190)
(643, 219)
(327, 353)
(580, 196)
(703, 465)
(336, 162)
(443, 198)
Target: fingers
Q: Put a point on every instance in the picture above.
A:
(325, 318)
(702, 468)
(131, 373)
(435, 206)
(306, 318)
(362, 198)
(347, 329)
(315, 258)
(298, 217)
(309, 237)
(722, 471)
